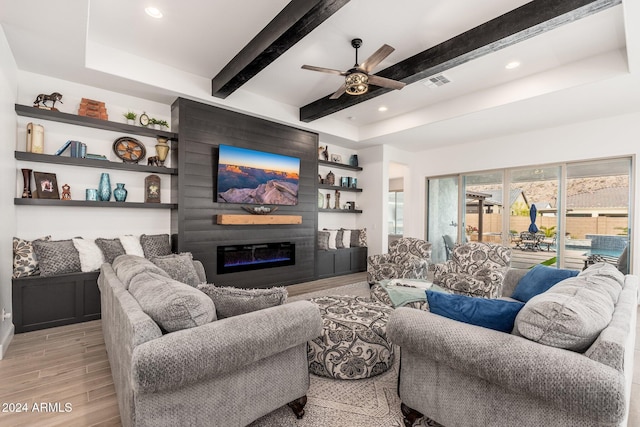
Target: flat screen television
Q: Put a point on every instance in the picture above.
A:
(249, 176)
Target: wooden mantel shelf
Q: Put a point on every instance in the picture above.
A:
(232, 219)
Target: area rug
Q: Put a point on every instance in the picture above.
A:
(371, 402)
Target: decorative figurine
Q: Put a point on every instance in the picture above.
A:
(66, 192)
(153, 161)
(331, 179)
(337, 202)
(26, 178)
(325, 153)
(328, 201)
(54, 97)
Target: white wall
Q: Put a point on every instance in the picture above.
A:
(8, 89)
(601, 138)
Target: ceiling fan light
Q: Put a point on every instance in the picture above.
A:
(356, 83)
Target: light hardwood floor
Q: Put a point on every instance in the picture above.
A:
(45, 370)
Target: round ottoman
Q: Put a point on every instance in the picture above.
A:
(353, 344)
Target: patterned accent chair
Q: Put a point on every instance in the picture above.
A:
(408, 258)
(476, 269)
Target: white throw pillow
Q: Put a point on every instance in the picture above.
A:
(131, 245)
(346, 238)
(91, 257)
(332, 238)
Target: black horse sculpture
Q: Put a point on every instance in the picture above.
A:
(54, 97)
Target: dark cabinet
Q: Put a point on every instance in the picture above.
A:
(45, 302)
(341, 261)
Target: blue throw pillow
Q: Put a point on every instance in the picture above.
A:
(489, 313)
(538, 280)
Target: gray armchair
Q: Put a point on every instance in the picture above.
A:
(475, 269)
(408, 258)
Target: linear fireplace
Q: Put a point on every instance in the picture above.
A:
(235, 258)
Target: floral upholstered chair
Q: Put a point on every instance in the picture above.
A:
(475, 269)
(408, 258)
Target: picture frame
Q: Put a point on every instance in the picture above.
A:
(152, 189)
(336, 158)
(46, 185)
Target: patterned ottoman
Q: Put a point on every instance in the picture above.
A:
(353, 344)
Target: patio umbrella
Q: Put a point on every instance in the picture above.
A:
(532, 214)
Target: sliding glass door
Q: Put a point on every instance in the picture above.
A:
(442, 216)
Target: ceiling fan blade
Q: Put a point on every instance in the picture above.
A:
(339, 92)
(384, 82)
(376, 58)
(324, 70)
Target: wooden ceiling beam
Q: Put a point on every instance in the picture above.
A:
(293, 23)
(529, 20)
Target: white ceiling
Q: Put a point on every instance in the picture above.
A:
(576, 72)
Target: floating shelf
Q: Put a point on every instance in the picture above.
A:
(335, 187)
(232, 219)
(347, 211)
(339, 165)
(74, 119)
(92, 163)
(93, 204)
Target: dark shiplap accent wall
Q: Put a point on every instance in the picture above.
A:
(202, 128)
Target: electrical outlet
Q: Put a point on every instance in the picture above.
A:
(5, 315)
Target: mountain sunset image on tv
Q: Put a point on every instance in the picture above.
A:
(257, 177)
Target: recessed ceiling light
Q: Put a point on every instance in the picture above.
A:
(382, 109)
(153, 12)
(511, 65)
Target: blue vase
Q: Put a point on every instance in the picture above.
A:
(120, 193)
(104, 188)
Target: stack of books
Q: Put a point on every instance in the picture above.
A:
(78, 149)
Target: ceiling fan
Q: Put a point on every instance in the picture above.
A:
(358, 79)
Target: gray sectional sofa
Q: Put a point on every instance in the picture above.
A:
(459, 374)
(226, 372)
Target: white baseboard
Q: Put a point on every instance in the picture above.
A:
(6, 340)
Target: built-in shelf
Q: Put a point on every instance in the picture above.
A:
(233, 219)
(335, 187)
(92, 163)
(74, 119)
(93, 204)
(339, 165)
(347, 211)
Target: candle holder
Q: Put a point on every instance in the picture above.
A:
(26, 178)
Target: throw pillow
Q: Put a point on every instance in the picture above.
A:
(131, 245)
(570, 315)
(339, 239)
(346, 238)
(90, 254)
(25, 260)
(362, 238)
(323, 240)
(332, 238)
(129, 266)
(155, 245)
(57, 257)
(538, 280)
(489, 313)
(179, 267)
(172, 305)
(111, 248)
(355, 238)
(231, 301)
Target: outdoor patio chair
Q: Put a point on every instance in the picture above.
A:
(516, 240)
(548, 242)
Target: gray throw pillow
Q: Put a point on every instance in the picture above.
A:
(323, 240)
(570, 315)
(231, 301)
(57, 257)
(155, 245)
(179, 267)
(172, 305)
(111, 248)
